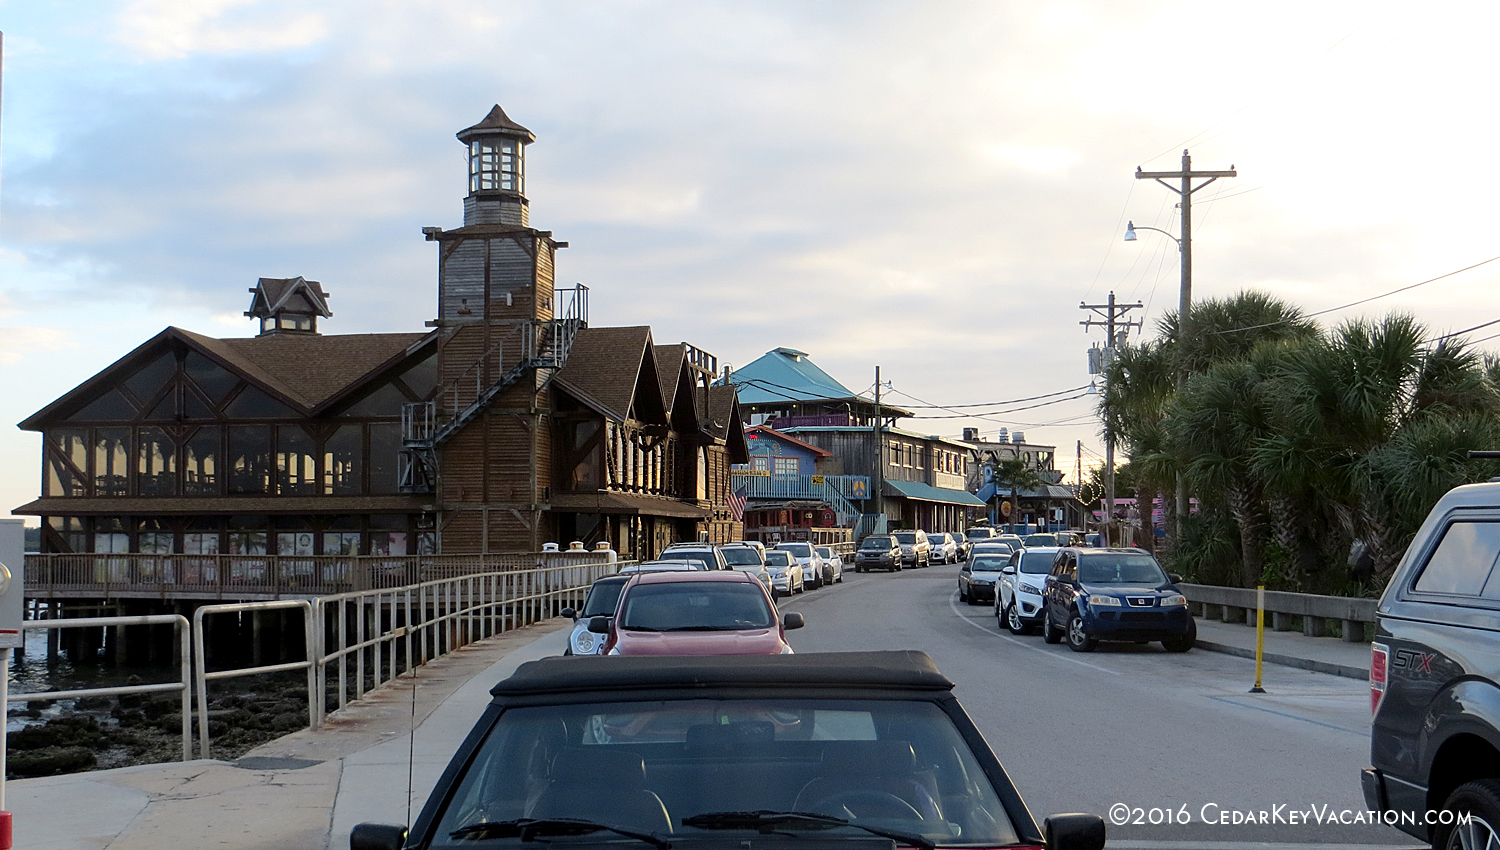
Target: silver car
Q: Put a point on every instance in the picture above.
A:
(833, 565)
(944, 550)
(603, 598)
(748, 559)
(786, 573)
(806, 557)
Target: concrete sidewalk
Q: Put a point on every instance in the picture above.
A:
(304, 790)
(1288, 649)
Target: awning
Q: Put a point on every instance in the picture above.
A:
(920, 492)
(634, 504)
(1046, 491)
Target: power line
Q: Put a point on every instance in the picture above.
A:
(989, 403)
(998, 412)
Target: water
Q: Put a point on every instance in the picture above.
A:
(32, 674)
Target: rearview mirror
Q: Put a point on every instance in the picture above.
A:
(1007, 571)
(792, 620)
(599, 625)
(1074, 832)
(569, 612)
(376, 836)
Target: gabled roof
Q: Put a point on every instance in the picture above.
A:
(274, 295)
(787, 438)
(306, 371)
(670, 362)
(613, 371)
(678, 387)
(724, 422)
(786, 374)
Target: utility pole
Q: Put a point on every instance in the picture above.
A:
(877, 494)
(1117, 328)
(1185, 192)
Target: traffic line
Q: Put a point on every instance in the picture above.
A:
(953, 606)
(1235, 701)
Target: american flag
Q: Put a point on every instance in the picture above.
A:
(737, 505)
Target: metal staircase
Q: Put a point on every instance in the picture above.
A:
(539, 346)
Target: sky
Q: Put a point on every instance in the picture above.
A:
(930, 187)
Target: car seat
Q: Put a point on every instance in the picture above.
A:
(604, 785)
(855, 775)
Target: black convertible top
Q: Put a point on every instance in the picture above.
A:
(897, 670)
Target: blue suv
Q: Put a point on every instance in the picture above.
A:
(1114, 594)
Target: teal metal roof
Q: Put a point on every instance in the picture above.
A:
(786, 374)
(928, 493)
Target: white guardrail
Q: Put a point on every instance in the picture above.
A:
(364, 638)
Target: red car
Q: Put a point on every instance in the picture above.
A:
(695, 613)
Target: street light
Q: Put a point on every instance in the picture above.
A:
(1130, 229)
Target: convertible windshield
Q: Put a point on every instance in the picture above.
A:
(695, 606)
(1112, 568)
(987, 564)
(603, 597)
(741, 555)
(652, 767)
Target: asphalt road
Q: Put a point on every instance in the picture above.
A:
(1127, 724)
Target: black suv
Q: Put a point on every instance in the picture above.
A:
(1434, 666)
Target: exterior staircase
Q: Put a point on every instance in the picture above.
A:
(540, 346)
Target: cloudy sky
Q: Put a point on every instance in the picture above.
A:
(932, 187)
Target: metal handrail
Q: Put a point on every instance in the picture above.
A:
(183, 686)
(202, 676)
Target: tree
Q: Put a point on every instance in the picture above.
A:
(1017, 474)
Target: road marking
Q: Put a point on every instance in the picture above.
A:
(953, 606)
(1236, 702)
(1118, 844)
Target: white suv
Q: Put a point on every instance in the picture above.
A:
(705, 552)
(808, 559)
(748, 559)
(1018, 595)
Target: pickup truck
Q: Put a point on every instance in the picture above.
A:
(1434, 669)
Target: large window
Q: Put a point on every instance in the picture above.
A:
(296, 462)
(1463, 560)
(343, 454)
(200, 463)
(385, 445)
(495, 163)
(787, 466)
(67, 463)
(156, 463)
(111, 461)
(249, 459)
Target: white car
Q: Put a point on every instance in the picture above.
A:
(674, 565)
(833, 565)
(807, 558)
(748, 559)
(1018, 596)
(787, 576)
(603, 598)
(944, 549)
(705, 552)
(1002, 548)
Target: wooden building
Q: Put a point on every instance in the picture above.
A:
(508, 423)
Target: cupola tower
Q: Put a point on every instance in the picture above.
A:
(497, 170)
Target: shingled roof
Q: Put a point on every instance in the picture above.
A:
(606, 368)
(497, 122)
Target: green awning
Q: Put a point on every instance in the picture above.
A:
(920, 492)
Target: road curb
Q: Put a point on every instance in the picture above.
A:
(1288, 660)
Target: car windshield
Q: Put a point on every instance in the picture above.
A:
(1041, 540)
(740, 556)
(877, 543)
(1037, 563)
(987, 564)
(801, 550)
(993, 548)
(695, 606)
(777, 558)
(938, 539)
(906, 538)
(603, 597)
(980, 533)
(686, 555)
(650, 766)
(825, 552)
(1119, 568)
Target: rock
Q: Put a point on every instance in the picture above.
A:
(50, 761)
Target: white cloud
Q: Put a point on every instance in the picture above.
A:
(176, 29)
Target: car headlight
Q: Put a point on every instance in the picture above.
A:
(1031, 589)
(585, 642)
(1096, 599)
(1176, 600)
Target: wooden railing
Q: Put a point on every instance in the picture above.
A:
(263, 576)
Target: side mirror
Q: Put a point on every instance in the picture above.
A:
(1074, 832)
(599, 625)
(1174, 577)
(377, 836)
(1007, 571)
(570, 612)
(792, 620)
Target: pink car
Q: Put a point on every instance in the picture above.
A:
(718, 612)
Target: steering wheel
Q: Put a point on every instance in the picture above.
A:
(862, 804)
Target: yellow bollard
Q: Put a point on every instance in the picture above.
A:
(1260, 635)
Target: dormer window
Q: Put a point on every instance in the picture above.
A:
(288, 305)
(496, 162)
(293, 322)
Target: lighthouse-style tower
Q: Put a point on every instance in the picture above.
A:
(476, 447)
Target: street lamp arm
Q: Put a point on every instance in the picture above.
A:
(1130, 230)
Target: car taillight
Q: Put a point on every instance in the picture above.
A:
(1380, 656)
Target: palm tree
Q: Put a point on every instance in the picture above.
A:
(1017, 474)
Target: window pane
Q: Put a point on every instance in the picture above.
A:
(214, 381)
(296, 462)
(110, 407)
(147, 382)
(342, 455)
(1463, 559)
(254, 404)
(385, 445)
(786, 466)
(67, 463)
(111, 461)
(156, 463)
(200, 462)
(249, 459)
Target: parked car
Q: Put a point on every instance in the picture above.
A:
(915, 550)
(1013, 539)
(833, 565)
(994, 547)
(944, 550)
(1114, 594)
(878, 552)
(786, 573)
(807, 558)
(977, 579)
(1435, 677)
(852, 749)
(1018, 597)
(705, 552)
(1040, 539)
(604, 595)
(750, 559)
(718, 612)
(678, 564)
